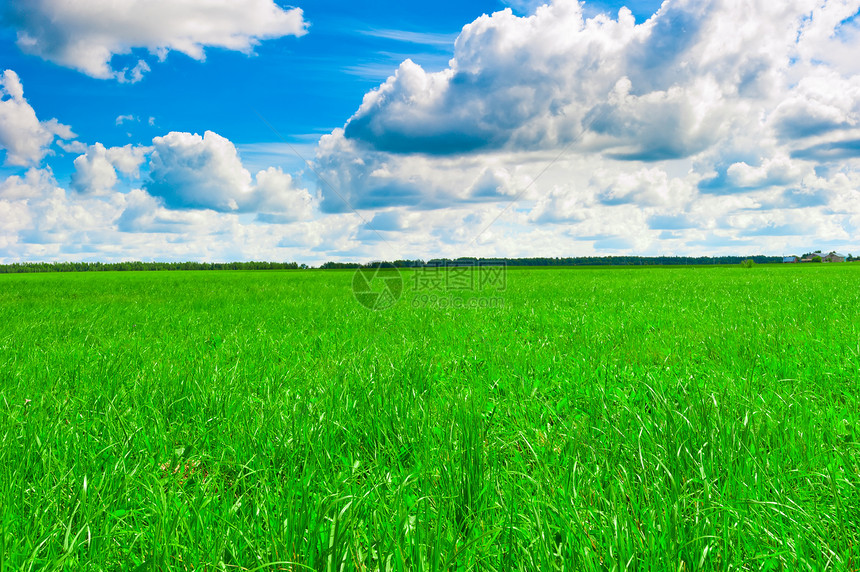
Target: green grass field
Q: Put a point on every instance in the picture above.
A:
(599, 419)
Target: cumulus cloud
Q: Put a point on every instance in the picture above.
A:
(143, 213)
(619, 134)
(188, 171)
(86, 34)
(663, 89)
(357, 177)
(773, 171)
(838, 150)
(72, 146)
(94, 174)
(25, 138)
(45, 214)
(128, 158)
(34, 184)
(96, 170)
(820, 103)
(277, 200)
(40, 220)
(645, 187)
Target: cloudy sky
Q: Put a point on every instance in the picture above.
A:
(253, 130)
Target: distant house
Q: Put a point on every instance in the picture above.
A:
(791, 259)
(816, 256)
(834, 257)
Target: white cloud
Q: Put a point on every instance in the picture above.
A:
(35, 184)
(360, 177)
(145, 214)
(670, 130)
(86, 34)
(773, 171)
(72, 146)
(39, 220)
(666, 88)
(277, 198)
(128, 158)
(192, 172)
(95, 171)
(44, 214)
(644, 187)
(821, 102)
(94, 174)
(25, 138)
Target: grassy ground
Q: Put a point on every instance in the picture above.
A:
(650, 419)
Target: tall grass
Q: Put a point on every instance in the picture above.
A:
(645, 419)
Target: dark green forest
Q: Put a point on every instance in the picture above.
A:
(31, 267)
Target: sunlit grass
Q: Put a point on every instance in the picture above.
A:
(651, 419)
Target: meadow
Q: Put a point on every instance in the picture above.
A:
(681, 419)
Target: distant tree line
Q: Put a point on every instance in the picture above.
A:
(29, 267)
(384, 264)
(614, 260)
(568, 261)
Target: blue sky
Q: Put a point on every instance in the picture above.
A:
(709, 127)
